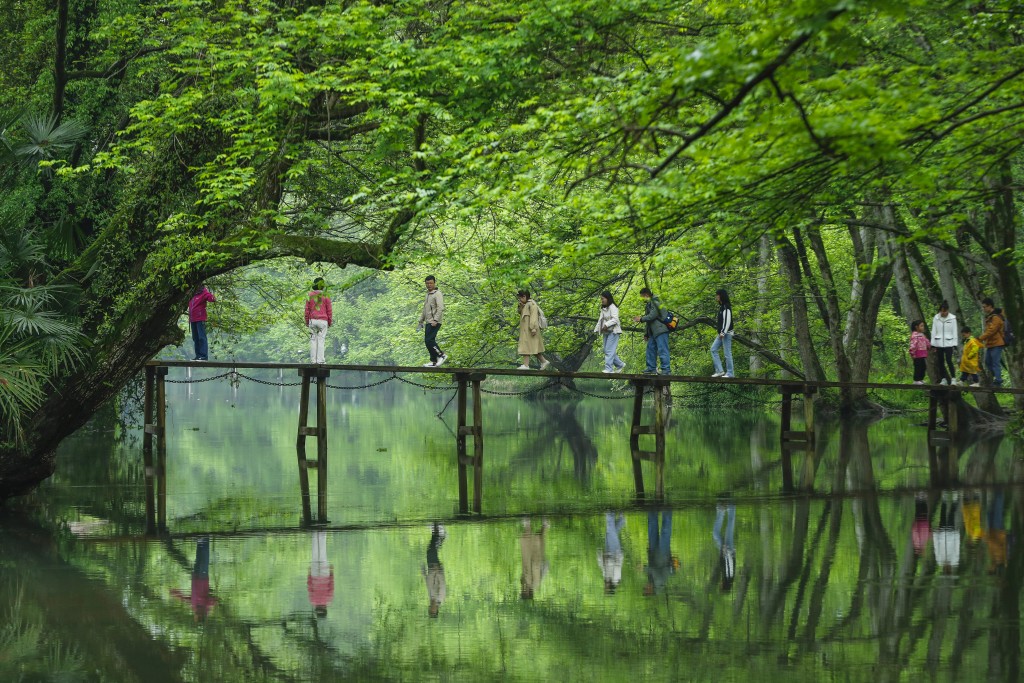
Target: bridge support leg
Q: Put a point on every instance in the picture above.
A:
(154, 409)
(657, 456)
(320, 432)
(791, 439)
(475, 430)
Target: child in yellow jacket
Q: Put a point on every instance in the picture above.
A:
(969, 358)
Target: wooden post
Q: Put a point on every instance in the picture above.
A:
(634, 436)
(460, 443)
(660, 389)
(148, 428)
(809, 416)
(300, 443)
(321, 444)
(952, 416)
(933, 412)
(478, 448)
(161, 448)
(786, 423)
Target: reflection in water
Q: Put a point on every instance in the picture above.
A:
(726, 514)
(320, 580)
(660, 562)
(946, 535)
(535, 562)
(200, 598)
(609, 558)
(433, 572)
(838, 584)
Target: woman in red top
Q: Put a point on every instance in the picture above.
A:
(318, 318)
(197, 319)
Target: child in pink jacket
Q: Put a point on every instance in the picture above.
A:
(919, 346)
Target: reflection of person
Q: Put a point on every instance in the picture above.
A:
(433, 573)
(610, 557)
(200, 599)
(535, 564)
(320, 582)
(660, 564)
(971, 508)
(726, 514)
(197, 320)
(946, 536)
(921, 530)
(995, 535)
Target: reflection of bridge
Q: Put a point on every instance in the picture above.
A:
(469, 380)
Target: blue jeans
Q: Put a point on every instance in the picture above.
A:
(657, 347)
(199, 339)
(726, 344)
(992, 357)
(611, 356)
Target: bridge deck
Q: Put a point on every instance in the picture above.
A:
(796, 385)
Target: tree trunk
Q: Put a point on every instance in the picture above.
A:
(805, 343)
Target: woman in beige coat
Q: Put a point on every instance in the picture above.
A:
(531, 337)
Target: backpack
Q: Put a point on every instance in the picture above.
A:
(542, 321)
(668, 318)
(671, 320)
(1008, 337)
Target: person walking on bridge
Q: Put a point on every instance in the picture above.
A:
(993, 339)
(655, 334)
(531, 336)
(430, 322)
(945, 338)
(319, 317)
(610, 328)
(197, 320)
(723, 340)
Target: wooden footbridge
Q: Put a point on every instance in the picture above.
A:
(468, 382)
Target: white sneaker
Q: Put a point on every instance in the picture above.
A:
(430, 365)
(545, 364)
(728, 376)
(918, 382)
(956, 383)
(524, 367)
(441, 360)
(944, 382)
(608, 372)
(718, 374)
(620, 368)
(976, 385)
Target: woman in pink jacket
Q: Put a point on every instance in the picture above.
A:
(318, 318)
(197, 320)
(919, 346)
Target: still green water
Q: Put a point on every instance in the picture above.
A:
(874, 574)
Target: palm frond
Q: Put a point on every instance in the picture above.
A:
(48, 139)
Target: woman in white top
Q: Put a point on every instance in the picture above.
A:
(608, 325)
(945, 337)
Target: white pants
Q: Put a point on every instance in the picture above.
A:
(317, 335)
(318, 564)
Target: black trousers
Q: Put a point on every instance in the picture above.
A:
(946, 361)
(920, 368)
(430, 339)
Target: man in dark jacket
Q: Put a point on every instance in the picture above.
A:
(656, 334)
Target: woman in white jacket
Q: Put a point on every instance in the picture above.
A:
(945, 337)
(608, 325)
